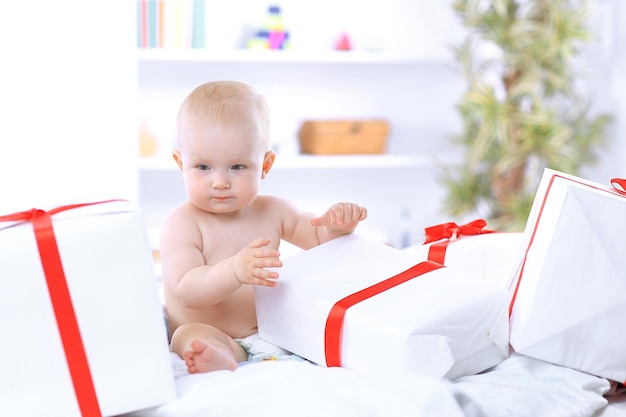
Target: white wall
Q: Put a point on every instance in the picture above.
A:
(68, 117)
(605, 67)
(617, 87)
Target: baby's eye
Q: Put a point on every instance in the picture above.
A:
(238, 167)
(202, 167)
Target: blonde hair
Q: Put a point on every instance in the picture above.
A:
(226, 102)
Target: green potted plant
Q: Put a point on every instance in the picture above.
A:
(521, 110)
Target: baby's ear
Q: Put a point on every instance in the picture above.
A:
(268, 162)
(178, 159)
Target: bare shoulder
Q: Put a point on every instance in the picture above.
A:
(180, 216)
(181, 224)
(274, 203)
(295, 223)
(281, 210)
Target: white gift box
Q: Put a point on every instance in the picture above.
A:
(440, 323)
(569, 293)
(104, 284)
(489, 256)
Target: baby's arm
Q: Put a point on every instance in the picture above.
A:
(198, 284)
(306, 231)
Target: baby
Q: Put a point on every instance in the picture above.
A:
(221, 242)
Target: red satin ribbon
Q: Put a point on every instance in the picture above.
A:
(619, 184)
(450, 231)
(62, 304)
(334, 322)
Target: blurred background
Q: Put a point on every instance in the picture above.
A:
(89, 94)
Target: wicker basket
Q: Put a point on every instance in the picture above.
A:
(332, 137)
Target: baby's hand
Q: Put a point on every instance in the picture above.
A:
(341, 217)
(250, 263)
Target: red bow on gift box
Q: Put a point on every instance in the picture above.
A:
(451, 231)
(619, 184)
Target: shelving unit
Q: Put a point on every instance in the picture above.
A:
(409, 82)
(398, 188)
(287, 56)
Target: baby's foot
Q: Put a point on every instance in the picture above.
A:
(204, 358)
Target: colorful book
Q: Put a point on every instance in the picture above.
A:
(152, 23)
(197, 30)
(171, 23)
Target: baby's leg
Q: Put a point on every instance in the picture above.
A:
(205, 348)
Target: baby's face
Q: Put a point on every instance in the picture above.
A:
(222, 164)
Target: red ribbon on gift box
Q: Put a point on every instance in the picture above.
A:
(619, 184)
(451, 231)
(334, 322)
(62, 303)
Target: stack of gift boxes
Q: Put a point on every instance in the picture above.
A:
(462, 301)
(84, 331)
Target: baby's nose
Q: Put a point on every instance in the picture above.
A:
(220, 181)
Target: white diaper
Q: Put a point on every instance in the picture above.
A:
(260, 350)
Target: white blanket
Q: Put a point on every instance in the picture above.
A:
(518, 387)
(525, 387)
(294, 389)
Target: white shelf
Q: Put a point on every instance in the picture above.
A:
(350, 161)
(284, 56)
(297, 162)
